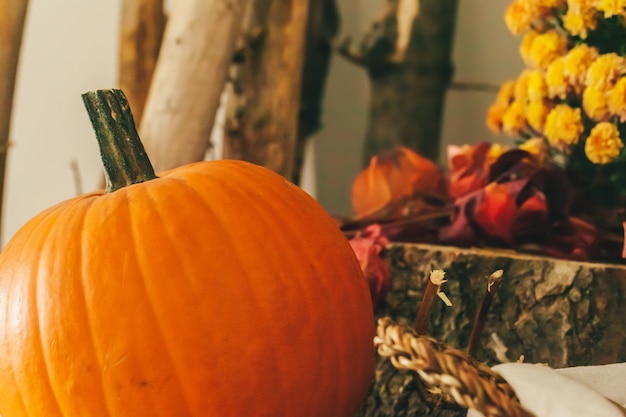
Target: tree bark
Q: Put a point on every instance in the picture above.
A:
(322, 27)
(141, 31)
(12, 18)
(262, 126)
(197, 50)
(408, 63)
(557, 312)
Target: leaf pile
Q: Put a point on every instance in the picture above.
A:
(510, 199)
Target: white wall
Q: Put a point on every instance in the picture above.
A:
(70, 46)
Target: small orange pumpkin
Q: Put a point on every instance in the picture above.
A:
(216, 289)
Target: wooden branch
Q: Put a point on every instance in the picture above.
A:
(407, 55)
(196, 53)
(262, 126)
(141, 31)
(12, 18)
(322, 27)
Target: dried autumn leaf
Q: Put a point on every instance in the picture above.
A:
(469, 168)
(392, 177)
(368, 246)
(496, 212)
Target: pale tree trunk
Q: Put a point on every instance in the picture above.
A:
(262, 125)
(407, 56)
(141, 31)
(196, 53)
(12, 18)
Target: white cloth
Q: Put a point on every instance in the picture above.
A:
(571, 392)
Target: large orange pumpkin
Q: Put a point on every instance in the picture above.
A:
(216, 289)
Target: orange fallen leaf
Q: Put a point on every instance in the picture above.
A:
(393, 176)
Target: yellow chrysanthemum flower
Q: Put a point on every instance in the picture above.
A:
(525, 45)
(595, 103)
(603, 72)
(519, 15)
(536, 147)
(580, 18)
(537, 88)
(556, 80)
(616, 99)
(514, 118)
(506, 93)
(494, 117)
(603, 144)
(536, 114)
(576, 62)
(520, 92)
(563, 125)
(611, 8)
(546, 47)
(495, 151)
(550, 4)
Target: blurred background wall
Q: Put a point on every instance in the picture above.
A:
(70, 46)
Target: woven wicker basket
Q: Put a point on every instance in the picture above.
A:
(447, 373)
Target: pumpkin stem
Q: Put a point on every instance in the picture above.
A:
(123, 155)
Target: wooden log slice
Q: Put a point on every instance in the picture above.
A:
(557, 312)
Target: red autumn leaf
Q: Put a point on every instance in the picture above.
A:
(469, 168)
(496, 212)
(392, 177)
(368, 246)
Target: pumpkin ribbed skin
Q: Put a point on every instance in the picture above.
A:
(218, 289)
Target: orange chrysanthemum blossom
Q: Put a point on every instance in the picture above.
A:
(506, 93)
(616, 99)
(545, 48)
(611, 8)
(603, 144)
(605, 70)
(536, 114)
(580, 18)
(556, 80)
(495, 112)
(519, 16)
(595, 103)
(514, 118)
(563, 126)
(576, 62)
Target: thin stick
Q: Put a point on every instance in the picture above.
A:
(12, 17)
(78, 182)
(433, 289)
(495, 279)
